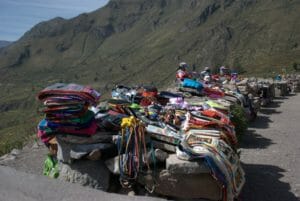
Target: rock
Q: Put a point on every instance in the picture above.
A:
(3, 157)
(6, 157)
(35, 145)
(182, 179)
(188, 186)
(68, 151)
(281, 88)
(63, 151)
(177, 166)
(73, 155)
(15, 152)
(164, 146)
(160, 155)
(89, 173)
(113, 165)
(94, 155)
(131, 193)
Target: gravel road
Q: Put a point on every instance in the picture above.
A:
(270, 152)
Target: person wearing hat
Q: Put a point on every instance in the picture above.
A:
(206, 79)
(205, 72)
(222, 70)
(182, 71)
(225, 75)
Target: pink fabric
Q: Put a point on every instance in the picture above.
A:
(177, 100)
(43, 136)
(91, 130)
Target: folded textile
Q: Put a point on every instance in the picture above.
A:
(222, 161)
(64, 115)
(52, 128)
(75, 90)
(63, 100)
(213, 93)
(69, 109)
(44, 136)
(167, 94)
(192, 84)
(55, 125)
(87, 117)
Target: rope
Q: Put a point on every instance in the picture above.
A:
(132, 151)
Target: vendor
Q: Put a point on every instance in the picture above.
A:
(207, 79)
(205, 72)
(182, 71)
(224, 71)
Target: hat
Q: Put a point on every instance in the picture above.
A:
(183, 64)
(206, 78)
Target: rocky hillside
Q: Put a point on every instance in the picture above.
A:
(4, 43)
(141, 41)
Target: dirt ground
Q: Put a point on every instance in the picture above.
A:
(270, 152)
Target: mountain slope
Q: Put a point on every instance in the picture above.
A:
(141, 41)
(4, 43)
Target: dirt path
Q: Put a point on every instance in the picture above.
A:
(270, 153)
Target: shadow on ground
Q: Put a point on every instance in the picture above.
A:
(253, 140)
(271, 108)
(269, 111)
(275, 104)
(281, 98)
(263, 119)
(261, 122)
(263, 183)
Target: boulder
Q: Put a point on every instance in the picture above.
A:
(183, 179)
(7, 157)
(281, 88)
(188, 186)
(89, 173)
(177, 166)
(113, 165)
(15, 152)
(68, 150)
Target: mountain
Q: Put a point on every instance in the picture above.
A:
(4, 43)
(142, 41)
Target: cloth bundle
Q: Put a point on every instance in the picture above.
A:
(66, 110)
(223, 162)
(192, 84)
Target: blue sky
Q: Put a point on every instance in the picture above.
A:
(18, 16)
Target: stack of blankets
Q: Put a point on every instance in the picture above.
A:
(66, 109)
